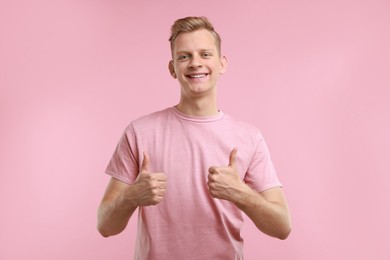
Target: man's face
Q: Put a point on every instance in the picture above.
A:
(196, 63)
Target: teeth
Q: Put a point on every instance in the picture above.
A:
(198, 76)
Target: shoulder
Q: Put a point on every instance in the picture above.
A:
(157, 115)
(149, 121)
(242, 127)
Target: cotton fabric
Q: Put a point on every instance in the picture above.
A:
(189, 223)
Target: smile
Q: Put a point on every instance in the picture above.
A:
(197, 76)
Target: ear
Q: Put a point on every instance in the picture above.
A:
(172, 69)
(223, 65)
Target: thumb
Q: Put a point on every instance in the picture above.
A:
(145, 163)
(232, 157)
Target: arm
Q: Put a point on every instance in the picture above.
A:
(120, 199)
(115, 210)
(268, 210)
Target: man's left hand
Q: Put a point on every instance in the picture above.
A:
(224, 182)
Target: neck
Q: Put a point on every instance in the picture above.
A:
(201, 107)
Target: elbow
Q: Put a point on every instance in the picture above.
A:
(285, 229)
(280, 232)
(284, 233)
(107, 231)
(102, 232)
(284, 236)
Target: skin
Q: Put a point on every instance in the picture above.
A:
(121, 200)
(197, 65)
(268, 209)
(195, 53)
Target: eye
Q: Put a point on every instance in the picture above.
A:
(206, 54)
(183, 57)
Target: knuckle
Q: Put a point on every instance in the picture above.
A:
(156, 200)
(160, 176)
(153, 184)
(145, 175)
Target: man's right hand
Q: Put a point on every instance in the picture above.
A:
(149, 188)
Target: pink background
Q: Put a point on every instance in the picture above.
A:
(314, 76)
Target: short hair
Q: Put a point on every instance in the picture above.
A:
(191, 24)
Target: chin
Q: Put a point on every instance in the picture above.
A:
(200, 91)
(197, 90)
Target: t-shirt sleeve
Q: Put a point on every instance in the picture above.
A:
(124, 162)
(261, 174)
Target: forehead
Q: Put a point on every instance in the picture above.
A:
(190, 41)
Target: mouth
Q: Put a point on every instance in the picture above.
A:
(197, 75)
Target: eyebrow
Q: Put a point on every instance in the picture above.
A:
(201, 50)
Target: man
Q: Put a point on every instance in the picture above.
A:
(191, 169)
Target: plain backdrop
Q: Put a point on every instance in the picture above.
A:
(313, 76)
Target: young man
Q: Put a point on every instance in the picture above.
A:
(191, 169)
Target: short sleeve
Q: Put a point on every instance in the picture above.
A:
(261, 174)
(124, 163)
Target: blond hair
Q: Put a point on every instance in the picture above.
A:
(190, 24)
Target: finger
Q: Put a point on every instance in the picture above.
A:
(160, 177)
(162, 185)
(213, 170)
(232, 158)
(145, 163)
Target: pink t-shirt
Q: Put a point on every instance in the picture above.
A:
(189, 223)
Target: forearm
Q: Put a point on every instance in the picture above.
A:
(113, 216)
(272, 218)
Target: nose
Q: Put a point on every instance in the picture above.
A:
(195, 62)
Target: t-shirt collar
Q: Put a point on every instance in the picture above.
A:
(199, 119)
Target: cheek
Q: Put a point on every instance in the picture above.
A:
(179, 69)
(215, 66)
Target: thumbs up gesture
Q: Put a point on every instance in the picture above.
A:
(224, 182)
(149, 188)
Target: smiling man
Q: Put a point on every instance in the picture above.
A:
(191, 170)
(197, 64)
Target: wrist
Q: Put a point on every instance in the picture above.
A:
(246, 198)
(129, 201)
